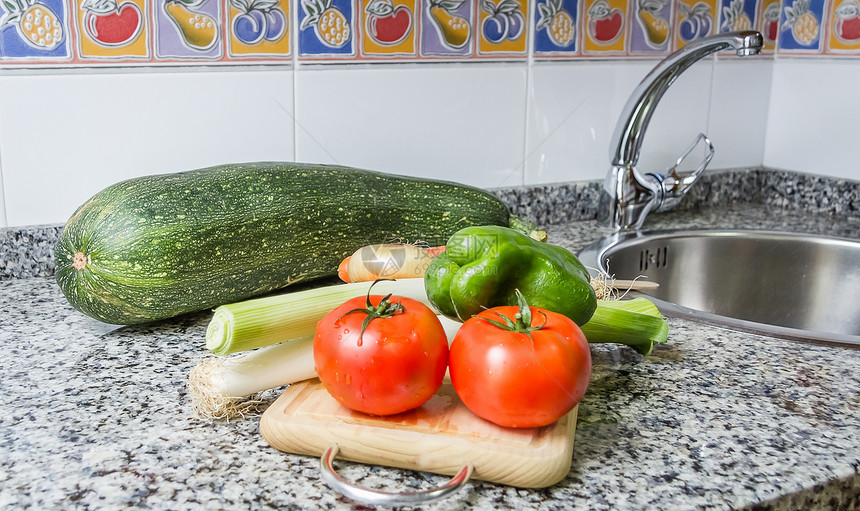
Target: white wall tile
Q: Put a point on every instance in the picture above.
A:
(739, 107)
(814, 117)
(65, 137)
(574, 108)
(456, 122)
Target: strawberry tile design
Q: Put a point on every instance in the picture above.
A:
(844, 27)
(112, 30)
(767, 22)
(605, 27)
(388, 28)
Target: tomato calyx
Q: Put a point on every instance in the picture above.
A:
(522, 319)
(385, 309)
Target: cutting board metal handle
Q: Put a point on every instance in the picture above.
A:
(374, 497)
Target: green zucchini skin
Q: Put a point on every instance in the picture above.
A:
(158, 246)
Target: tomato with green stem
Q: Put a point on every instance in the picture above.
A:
(520, 366)
(381, 355)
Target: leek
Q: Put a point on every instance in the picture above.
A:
(636, 323)
(225, 387)
(260, 322)
(222, 387)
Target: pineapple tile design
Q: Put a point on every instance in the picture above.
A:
(737, 15)
(800, 30)
(326, 28)
(556, 31)
(33, 28)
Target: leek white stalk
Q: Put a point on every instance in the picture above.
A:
(224, 387)
(251, 324)
(636, 323)
(221, 387)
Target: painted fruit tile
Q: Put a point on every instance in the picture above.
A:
(843, 27)
(258, 28)
(605, 27)
(388, 28)
(502, 27)
(556, 28)
(694, 19)
(188, 30)
(447, 28)
(326, 29)
(801, 27)
(651, 27)
(736, 15)
(34, 31)
(767, 22)
(112, 29)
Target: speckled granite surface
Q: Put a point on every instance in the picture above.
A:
(97, 417)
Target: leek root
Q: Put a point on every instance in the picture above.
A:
(222, 387)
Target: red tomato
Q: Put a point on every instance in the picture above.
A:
(515, 380)
(397, 363)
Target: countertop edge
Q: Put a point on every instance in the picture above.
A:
(27, 251)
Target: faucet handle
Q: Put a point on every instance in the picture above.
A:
(674, 184)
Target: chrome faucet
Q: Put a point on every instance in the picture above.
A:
(629, 195)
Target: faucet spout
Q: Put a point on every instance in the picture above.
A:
(629, 195)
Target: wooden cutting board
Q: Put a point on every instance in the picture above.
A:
(440, 437)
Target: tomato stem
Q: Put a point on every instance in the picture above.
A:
(522, 319)
(384, 309)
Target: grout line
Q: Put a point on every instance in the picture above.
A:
(294, 37)
(3, 220)
(529, 92)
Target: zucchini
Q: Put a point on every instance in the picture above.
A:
(159, 246)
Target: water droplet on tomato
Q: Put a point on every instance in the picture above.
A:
(359, 342)
(348, 379)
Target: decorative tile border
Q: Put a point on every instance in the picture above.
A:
(93, 33)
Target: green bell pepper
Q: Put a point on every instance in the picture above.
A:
(484, 266)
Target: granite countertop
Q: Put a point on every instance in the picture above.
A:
(97, 416)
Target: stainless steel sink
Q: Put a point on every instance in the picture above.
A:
(779, 284)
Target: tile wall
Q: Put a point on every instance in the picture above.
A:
(97, 33)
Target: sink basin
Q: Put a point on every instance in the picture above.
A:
(778, 284)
